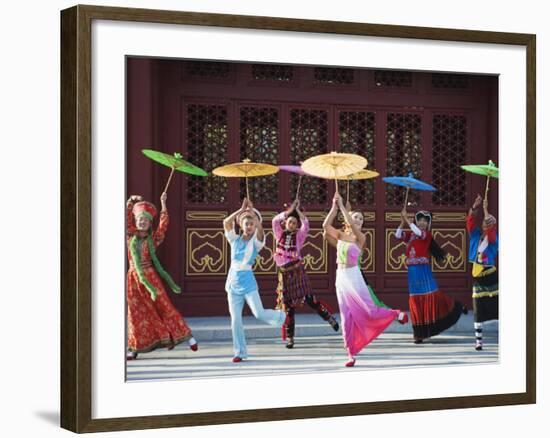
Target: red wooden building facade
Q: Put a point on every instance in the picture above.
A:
(217, 113)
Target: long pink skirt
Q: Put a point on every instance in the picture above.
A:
(362, 321)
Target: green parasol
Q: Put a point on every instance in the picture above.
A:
(489, 170)
(175, 162)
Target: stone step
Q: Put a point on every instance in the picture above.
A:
(216, 328)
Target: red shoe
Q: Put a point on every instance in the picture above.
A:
(237, 359)
(194, 347)
(131, 355)
(403, 320)
(350, 363)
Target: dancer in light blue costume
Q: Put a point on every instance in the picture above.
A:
(241, 284)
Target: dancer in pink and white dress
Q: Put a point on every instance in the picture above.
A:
(362, 320)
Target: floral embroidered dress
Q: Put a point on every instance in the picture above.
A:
(153, 321)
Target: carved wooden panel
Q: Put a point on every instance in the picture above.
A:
(452, 240)
(207, 252)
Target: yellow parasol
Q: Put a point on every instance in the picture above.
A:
(245, 169)
(334, 165)
(362, 174)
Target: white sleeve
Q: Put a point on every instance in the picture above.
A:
(416, 230)
(398, 232)
(231, 235)
(259, 244)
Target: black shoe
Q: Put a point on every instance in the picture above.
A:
(333, 323)
(290, 343)
(418, 340)
(464, 310)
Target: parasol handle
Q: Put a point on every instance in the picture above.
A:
(169, 179)
(406, 197)
(247, 192)
(336, 184)
(487, 186)
(298, 189)
(347, 197)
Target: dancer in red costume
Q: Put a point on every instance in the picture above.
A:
(153, 321)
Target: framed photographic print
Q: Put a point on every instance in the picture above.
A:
(254, 205)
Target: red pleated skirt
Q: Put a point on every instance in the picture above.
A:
(432, 313)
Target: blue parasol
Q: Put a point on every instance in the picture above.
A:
(410, 182)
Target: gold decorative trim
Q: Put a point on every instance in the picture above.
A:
(455, 261)
(394, 256)
(317, 265)
(452, 263)
(205, 215)
(396, 217)
(265, 264)
(449, 217)
(206, 265)
(370, 216)
(437, 217)
(369, 253)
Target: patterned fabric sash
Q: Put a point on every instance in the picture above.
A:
(144, 264)
(417, 261)
(287, 245)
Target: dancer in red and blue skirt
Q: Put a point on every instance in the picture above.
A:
(294, 287)
(482, 254)
(432, 311)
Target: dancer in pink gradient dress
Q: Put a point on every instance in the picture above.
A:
(362, 320)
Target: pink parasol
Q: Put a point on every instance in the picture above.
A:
(298, 171)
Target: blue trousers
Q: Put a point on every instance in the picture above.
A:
(236, 304)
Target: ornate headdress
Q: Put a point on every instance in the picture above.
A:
(144, 208)
(424, 214)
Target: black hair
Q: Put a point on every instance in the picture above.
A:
(435, 250)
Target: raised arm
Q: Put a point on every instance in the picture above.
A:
(491, 231)
(229, 221)
(400, 233)
(304, 227)
(259, 227)
(130, 221)
(329, 232)
(356, 230)
(160, 232)
(472, 214)
(276, 221)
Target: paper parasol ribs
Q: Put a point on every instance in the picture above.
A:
(362, 174)
(245, 169)
(175, 162)
(410, 182)
(334, 165)
(489, 170)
